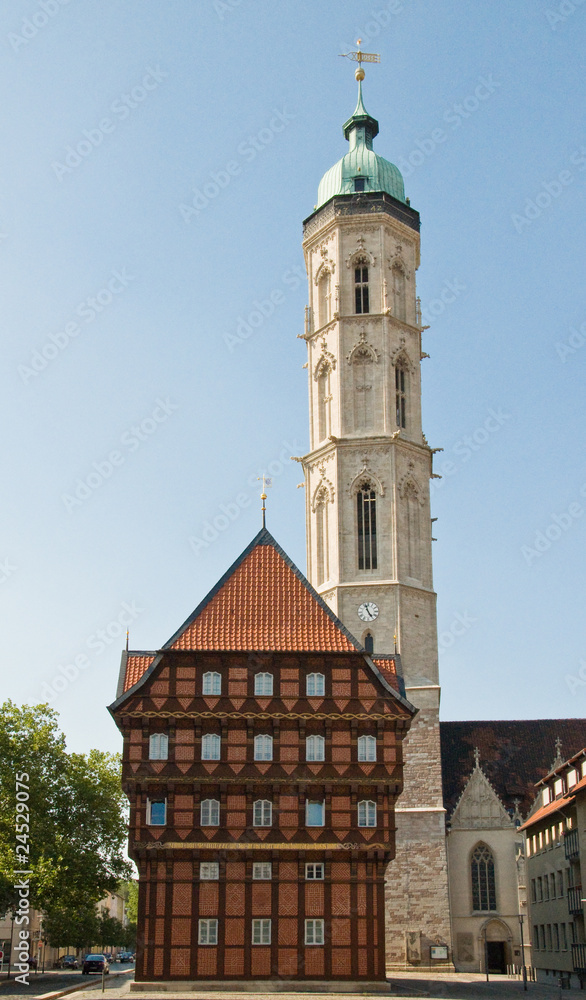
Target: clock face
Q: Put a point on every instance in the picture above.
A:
(368, 611)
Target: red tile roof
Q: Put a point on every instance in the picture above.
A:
(388, 669)
(556, 805)
(264, 605)
(136, 665)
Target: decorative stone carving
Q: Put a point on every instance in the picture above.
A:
(360, 254)
(326, 361)
(362, 351)
(365, 476)
(479, 807)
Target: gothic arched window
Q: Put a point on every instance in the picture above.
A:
(324, 298)
(366, 525)
(322, 540)
(399, 296)
(369, 642)
(362, 371)
(361, 299)
(324, 399)
(401, 394)
(483, 882)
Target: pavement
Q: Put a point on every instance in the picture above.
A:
(462, 986)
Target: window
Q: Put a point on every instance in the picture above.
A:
(483, 883)
(314, 813)
(369, 642)
(314, 932)
(548, 936)
(560, 884)
(209, 871)
(211, 683)
(324, 398)
(315, 748)
(324, 297)
(366, 516)
(209, 810)
(262, 871)
(545, 888)
(263, 684)
(366, 748)
(367, 813)
(156, 812)
(552, 886)
(322, 537)
(564, 937)
(261, 931)
(207, 931)
(546, 795)
(361, 289)
(536, 935)
(400, 396)
(558, 787)
(262, 813)
(315, 685)
(364, 386)
(359, 183)
(539, 889)
(572, 777)
(210, 747)
(399, 290)
(556, 938)
(158, 746)
(314, 871)
(533, 891)
(542, 937)
(263, 747)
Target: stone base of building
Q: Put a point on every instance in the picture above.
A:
(408, 967)
(263, 986)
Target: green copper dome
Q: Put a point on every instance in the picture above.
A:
(361, 169)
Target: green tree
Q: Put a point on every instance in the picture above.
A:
(77, 816)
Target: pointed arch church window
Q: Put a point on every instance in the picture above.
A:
(362, 373)
(361, 297)
(322, 539)
(369, 644)
(366, 525)
(483, 881)
(324, 298)
(324, 399)
(401, 395)
(399, 293)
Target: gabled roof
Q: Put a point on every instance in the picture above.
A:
(515, 755)
(262, 603)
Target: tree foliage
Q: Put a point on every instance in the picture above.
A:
(77, 815)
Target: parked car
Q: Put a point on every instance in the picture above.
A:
(95, 963)
(125, 956)
(32, 962)
(68, 962)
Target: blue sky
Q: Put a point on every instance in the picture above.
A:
(124, 286)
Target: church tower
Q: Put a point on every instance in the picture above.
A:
(367, 488)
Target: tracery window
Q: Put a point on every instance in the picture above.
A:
(361, 299)
(483, 881)
(400, 395)
(366, 524)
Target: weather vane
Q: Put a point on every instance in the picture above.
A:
(359, 56)
(266, 482)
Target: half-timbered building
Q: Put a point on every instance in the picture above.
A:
(262, 760)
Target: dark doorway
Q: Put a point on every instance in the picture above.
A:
(495, 953)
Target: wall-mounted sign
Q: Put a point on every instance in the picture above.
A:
(439, 951)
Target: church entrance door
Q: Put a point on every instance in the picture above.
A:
(496, 957)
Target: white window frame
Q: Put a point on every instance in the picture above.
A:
(211, 682)
(367, 813)
(259, 742)
(261, 931)
(367, 748)
(263, 685)
(211, 747)
(149, 813)
(158, 746)
(262, 871)
(207, 931)
(314, 932)
(315, 748)
(206, 806)
(209, 871)
(315, 685)
(314, 871)
(315, 802)
(262, 812)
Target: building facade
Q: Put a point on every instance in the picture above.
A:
(367, 489)
(556, 871)
(262, 760)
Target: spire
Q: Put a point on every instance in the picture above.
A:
(361, 128)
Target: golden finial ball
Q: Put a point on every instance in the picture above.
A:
(359, 74)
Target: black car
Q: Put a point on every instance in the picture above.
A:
(95, 963)
(125, 956)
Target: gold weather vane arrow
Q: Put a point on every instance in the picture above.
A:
(266, 482)
(359, 56)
